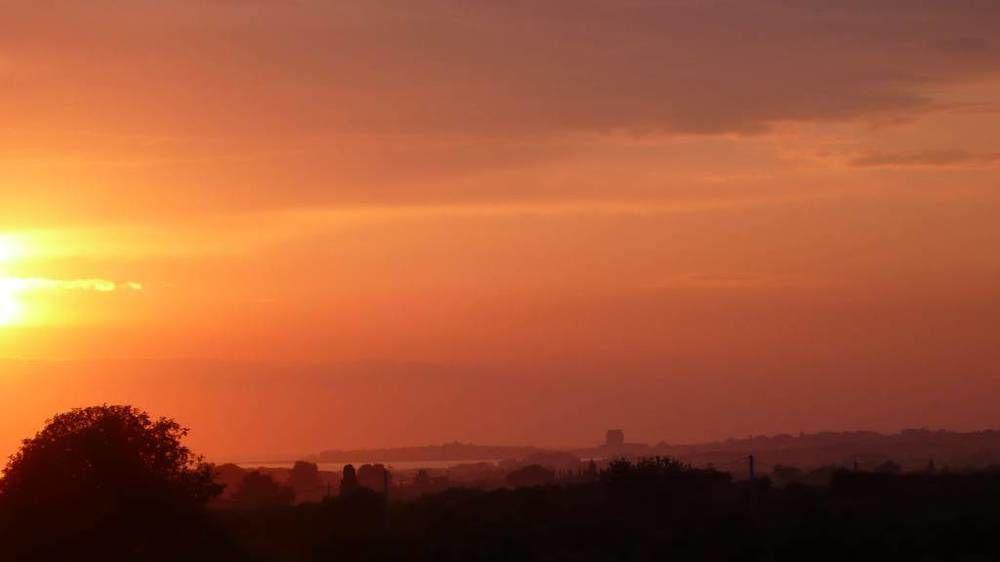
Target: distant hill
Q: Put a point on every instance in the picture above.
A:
(911, 448)
(445, 452)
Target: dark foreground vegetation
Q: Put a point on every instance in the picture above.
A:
(110, 483)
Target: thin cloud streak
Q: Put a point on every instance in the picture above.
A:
(928, 158)
(29, 284)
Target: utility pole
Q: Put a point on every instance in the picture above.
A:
(751, 467)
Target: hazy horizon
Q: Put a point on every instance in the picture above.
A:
(243, 410)
(528, 220)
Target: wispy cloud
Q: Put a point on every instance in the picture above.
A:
(734, 282)
(24, 284)
(929, 158)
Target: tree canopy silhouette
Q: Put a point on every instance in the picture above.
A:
(260, 490)
(349, 482)
(305, 480)
(106, 450)
(106, 478)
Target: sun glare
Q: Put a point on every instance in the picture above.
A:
(11, 310)
(9, 249)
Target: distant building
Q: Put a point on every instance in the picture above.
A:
(615, 438)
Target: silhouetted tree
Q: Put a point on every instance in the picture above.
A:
(109, 481)
(889, 467)
(784, 475)
(531, 475)
(423, 479)
(230, 476)
(373, 477)
(349, 481)
(260, 490)
(304, 479)
(821, 476)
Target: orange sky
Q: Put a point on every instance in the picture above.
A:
(308, 224)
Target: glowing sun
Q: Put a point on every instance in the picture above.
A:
(11, 310)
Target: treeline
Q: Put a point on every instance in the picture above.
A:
(653, 509)
(305, 482)
(112, 483)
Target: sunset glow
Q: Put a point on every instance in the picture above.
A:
(10, 307)
(393, 223)
(516, 280)
(18, 290)
(9, 249)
